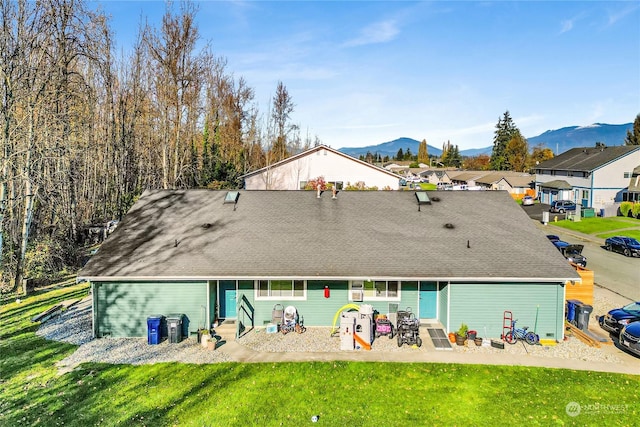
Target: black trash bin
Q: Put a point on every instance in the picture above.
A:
(583, 311)
(154, 329)
(174, 327)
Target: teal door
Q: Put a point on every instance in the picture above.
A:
(228, 299)
(428, 300)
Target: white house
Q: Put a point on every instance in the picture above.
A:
(335, 167)
(595, 177)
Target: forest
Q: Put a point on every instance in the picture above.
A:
(86, 130)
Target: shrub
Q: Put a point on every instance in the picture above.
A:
(625, 208)
(636, 210)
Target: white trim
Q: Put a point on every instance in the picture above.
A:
(257, 297)
(551, 280)
(366, 298)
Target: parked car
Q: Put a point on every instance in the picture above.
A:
(630, 337)
(527, 201)
(618, 318)
(553, 237)
(624, 245)
(562, 206)
(571, 252)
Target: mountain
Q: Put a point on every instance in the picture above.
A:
(564, 139)
(390, 148)
(558, 141)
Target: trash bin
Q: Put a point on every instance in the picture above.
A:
(571, 310)
(154, 329)
(174, 327)
(583, 311)
(588, 213)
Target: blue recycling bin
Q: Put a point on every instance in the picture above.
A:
(571, 310)
(154, 329)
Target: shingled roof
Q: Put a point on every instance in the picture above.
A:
(194, 235)
(586, 159)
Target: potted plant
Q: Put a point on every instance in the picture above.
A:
(205, 337)
(461, 334)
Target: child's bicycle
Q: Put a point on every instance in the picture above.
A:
(515, 334)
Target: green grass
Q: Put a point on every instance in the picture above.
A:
(267, 394)
(597, 225)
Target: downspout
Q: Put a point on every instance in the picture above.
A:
(590, 194)
(94, 306)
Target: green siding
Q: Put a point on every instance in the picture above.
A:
(482, 306)
(443, 304)
(318, 310)
(122, 308)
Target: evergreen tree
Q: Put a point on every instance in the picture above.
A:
(505, 131)
(634, 138)
(455, 159)
(407, 154)
(400, 155)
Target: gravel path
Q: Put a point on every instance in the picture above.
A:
(74, 326)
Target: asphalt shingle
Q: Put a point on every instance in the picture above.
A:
(461, 235)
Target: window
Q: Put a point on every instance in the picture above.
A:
(281, 289)
(377, 289)
(585, 194)
(627, 175)
(303, 185)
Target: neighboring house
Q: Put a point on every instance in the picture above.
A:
(439, 176)
(212, 255)
(596, 177)
(516, 183)
(633, 190)
(340, 169)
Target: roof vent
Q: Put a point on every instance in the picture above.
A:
(449, 226)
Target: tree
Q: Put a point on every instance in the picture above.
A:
(516, 153)
(423, 153)
(540, 154)
(282, 108)
(451, 155)
(400, 154)
(479, 162)
(634, 138)
(505, 131)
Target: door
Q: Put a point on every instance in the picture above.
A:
(228, 295)
(428, 300)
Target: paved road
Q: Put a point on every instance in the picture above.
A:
(612, 271)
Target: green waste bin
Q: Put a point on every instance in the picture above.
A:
(588, 213)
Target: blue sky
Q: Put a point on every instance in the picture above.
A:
(363, 73)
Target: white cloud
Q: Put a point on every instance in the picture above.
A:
(618, 15)
(567, 26)
(379, 32)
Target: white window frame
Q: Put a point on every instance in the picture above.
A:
(371, 294)
(271, 297)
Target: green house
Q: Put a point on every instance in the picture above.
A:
(448, 256)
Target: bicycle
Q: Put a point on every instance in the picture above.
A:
(515, 334)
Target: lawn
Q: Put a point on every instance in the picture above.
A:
(596, 226)
(289, 394)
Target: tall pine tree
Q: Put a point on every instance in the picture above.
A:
(634, 138)
(505, 131)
